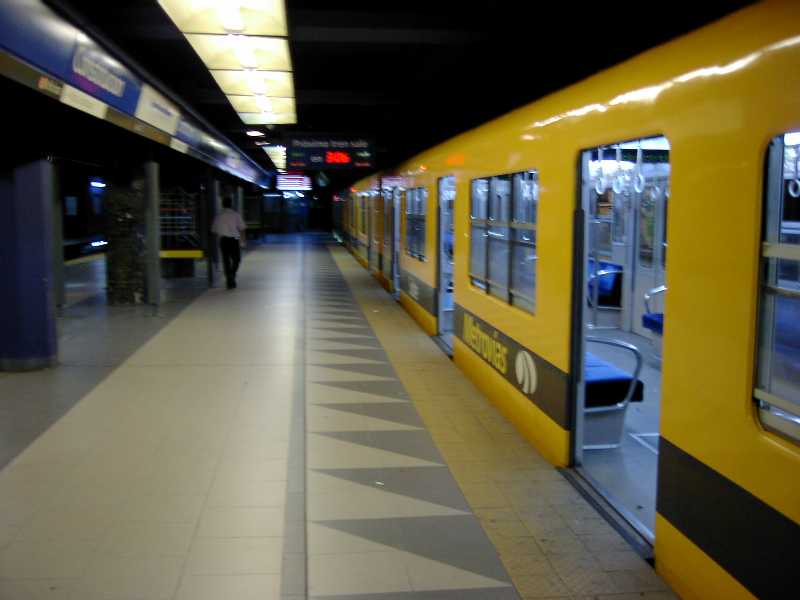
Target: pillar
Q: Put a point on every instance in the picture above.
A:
(27, 308)
(152, 233)
(59, 290)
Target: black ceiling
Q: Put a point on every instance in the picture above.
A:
(409, 73)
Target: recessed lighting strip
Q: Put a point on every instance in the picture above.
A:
(243, 44)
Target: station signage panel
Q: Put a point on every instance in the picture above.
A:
(293, 182)
(65, 63)
(329, 152)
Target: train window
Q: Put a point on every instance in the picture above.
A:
(523, 240)
(416, 201)
(478, 234)
(777, 392)
(363, 207)
(503, 237)
(499, 235)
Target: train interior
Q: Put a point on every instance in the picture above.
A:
(778, 373)
(625, 193)
(446, 307)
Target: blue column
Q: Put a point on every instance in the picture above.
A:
(27, 306)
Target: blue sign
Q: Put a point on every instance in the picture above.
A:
(102, 76)
(37, 35)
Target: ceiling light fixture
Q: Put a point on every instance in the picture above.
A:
(243, 44)
(230, 17)
(254, 133)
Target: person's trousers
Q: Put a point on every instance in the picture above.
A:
(231, 257)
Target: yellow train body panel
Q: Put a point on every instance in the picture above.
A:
(719, 96)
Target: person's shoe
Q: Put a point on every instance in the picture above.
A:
(233, 285)
(230, 285)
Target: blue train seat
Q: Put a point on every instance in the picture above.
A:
(653, 322)
(607, 384)
(608, 390)
(609, 276)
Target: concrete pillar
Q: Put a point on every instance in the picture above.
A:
(152, 233)
(59, 289)
(27, 307)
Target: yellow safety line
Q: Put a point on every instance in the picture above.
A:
(181, 254)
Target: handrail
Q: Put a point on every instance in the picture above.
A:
(636, 371)
(655, 291)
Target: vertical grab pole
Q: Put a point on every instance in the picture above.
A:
(593, 246)
(152, 233)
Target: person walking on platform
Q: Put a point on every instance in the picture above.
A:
(229, 227)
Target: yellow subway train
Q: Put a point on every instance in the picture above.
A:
(617, 267)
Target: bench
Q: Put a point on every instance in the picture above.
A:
(609, 284)
(607, 392)
(653, 320)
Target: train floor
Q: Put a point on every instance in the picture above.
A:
(628, 474)
(297, 437)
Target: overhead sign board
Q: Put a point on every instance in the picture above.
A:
(329, 152)
(39, 47)
(293, 182)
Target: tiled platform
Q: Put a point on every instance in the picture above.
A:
(298, 437)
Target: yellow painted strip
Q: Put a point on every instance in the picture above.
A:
(181, 254)
(361, 260)
(691, 572)
(425, 319)
(544, 434)
(85, 259)
(383, 281)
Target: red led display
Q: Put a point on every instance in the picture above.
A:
(337, 157)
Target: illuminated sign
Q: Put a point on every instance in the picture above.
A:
(337, 157)
(293, 182)
(329, 152)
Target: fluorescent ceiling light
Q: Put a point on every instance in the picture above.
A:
(262, 118)
(254, 133)
(241, 52)
(244, 83)
(97, 184)
(253, 104)
(277, 155)
(250, 17)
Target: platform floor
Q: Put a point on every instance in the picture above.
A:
(298, 437)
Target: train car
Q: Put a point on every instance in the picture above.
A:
(616, 267)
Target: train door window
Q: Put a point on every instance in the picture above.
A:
(523, 240)
(363, 207)
(409, 210)
(499, 236)
(478, 234)
(624, 191)
(647, 226)
(777, 392)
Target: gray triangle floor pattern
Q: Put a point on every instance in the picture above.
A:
(451, 541)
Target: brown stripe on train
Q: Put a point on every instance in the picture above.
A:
(551, 389)
(422, 293)
(753, 542)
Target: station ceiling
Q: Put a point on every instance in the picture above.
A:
(410, 74)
